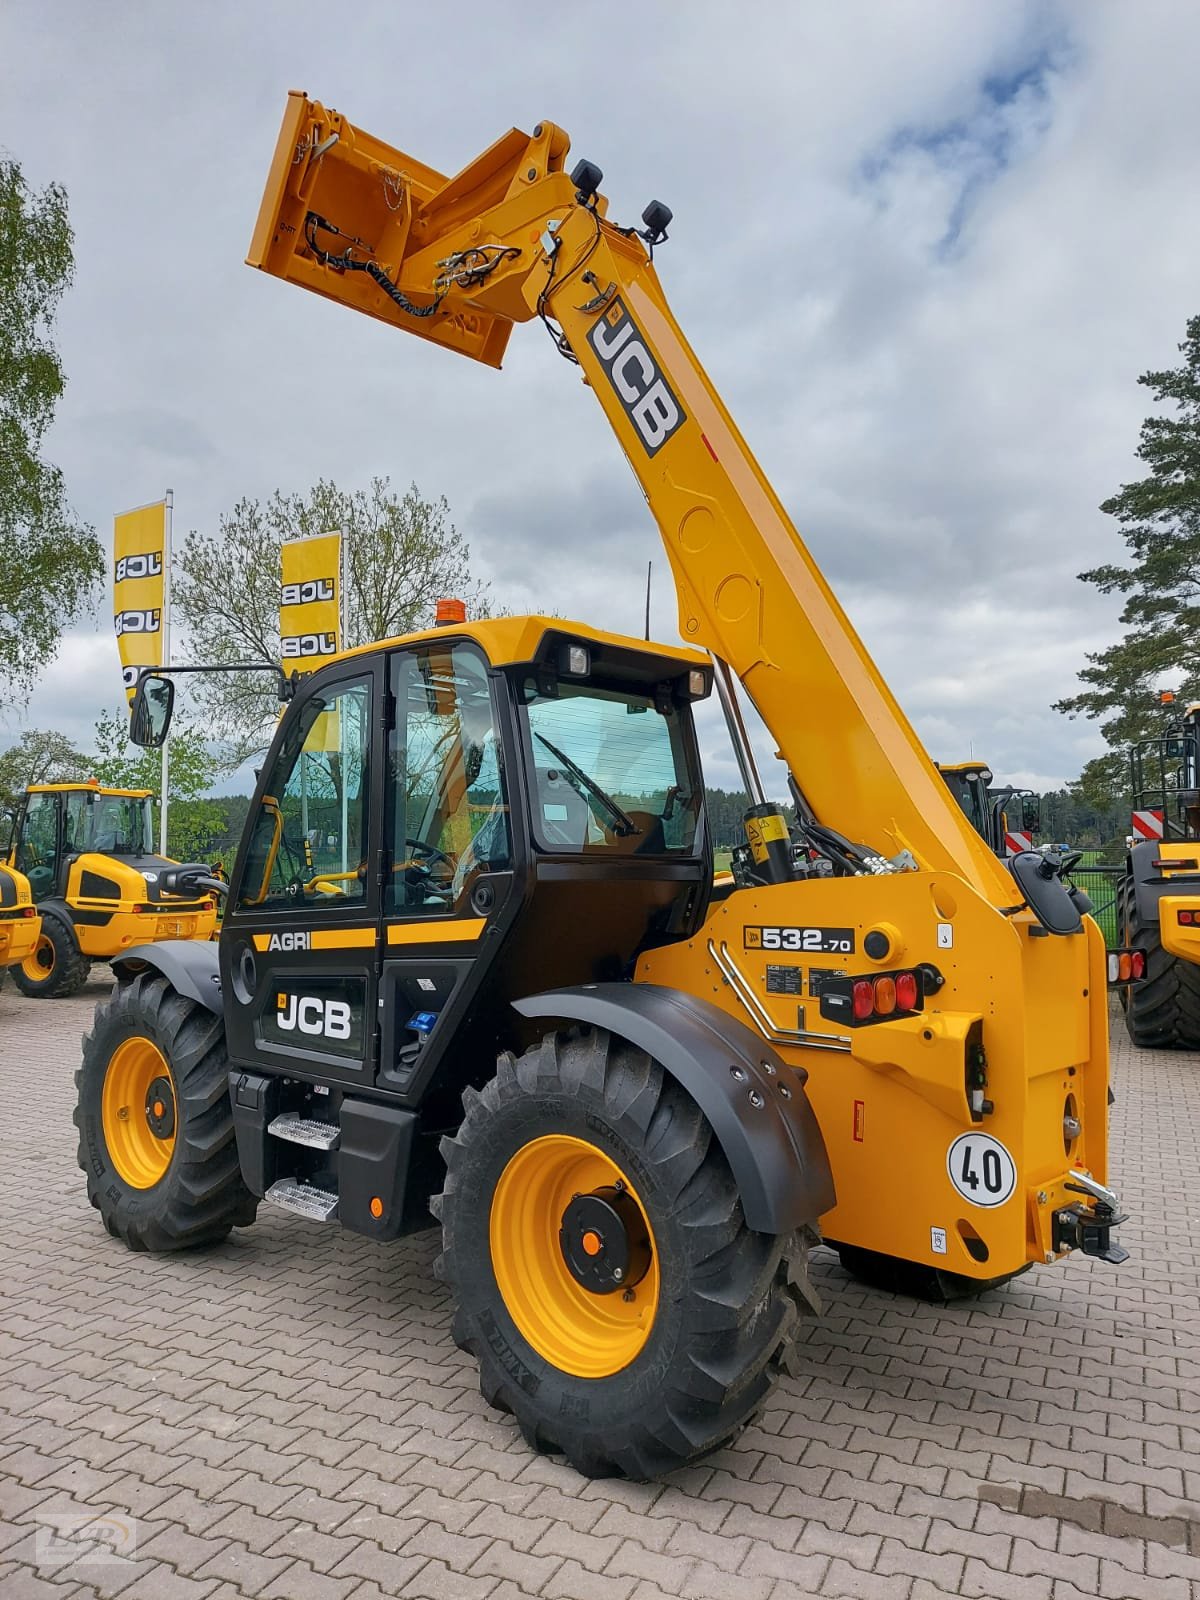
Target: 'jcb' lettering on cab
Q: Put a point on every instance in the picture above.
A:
(143, 566)
(304, 594)
(289, 941)
(640, 387)
(307, 644)
(305, 1013)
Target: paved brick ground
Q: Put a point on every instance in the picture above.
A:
(286, 1415)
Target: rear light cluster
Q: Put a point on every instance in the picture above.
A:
(857, 1002)
(880, 997)
(1126, 966)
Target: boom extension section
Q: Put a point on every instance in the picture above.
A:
(513, 237)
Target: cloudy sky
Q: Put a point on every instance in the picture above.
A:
(924, 248)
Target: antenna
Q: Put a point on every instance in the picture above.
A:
(649, 570)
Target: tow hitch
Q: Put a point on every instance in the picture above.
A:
(1089, 1228)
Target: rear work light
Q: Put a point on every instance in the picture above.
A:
(1126, 966)
(882, 997)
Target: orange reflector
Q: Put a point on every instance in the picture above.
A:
(885, 996)
(448, 611)
(376, 1206)
(591, 1243)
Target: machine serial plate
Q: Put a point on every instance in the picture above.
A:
(785, 980)
(839, 941)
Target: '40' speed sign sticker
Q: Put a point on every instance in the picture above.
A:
(981, 1169)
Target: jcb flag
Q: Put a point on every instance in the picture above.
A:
(310, 601)
(139, 562)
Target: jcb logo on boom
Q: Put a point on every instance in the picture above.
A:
(289, 941)
(305, 1013)
(640, 387)
(137, 622)
(305, 594)
(144, 566)
(307, 644)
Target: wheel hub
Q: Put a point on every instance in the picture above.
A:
(160, 1108)
(604, 1242)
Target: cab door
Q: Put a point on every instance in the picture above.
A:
(38, 849)
(300, 942)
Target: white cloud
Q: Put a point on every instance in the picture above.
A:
(924, 250)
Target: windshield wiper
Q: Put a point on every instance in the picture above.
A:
(625, 823)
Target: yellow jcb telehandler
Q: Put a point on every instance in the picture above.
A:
(514, 998)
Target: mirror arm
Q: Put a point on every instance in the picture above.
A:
(285, 686)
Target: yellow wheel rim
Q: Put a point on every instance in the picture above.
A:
(579, 1331)
(138, 1112)
(39, 963)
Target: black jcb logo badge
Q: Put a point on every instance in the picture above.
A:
(137, 622)
(640, 387)
(144, 566)
(304, 594)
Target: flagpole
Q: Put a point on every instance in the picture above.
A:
(168, 515)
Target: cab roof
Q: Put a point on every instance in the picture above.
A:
(92, 787)
(515, 641)
(964, 766)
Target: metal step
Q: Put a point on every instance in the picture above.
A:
(300, 1129)
(305, 1199)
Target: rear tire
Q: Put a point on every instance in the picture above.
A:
(56, 967)
(726, 1301)
(169, 1182)
(1162, 1012)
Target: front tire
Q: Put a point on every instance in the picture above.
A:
(664, 1359)
(156, 1136)
(56, 967)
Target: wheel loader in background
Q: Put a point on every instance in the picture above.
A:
(87, 853)
(1158, 899)
(1005, 818)
(20, 922)
(630, 1098)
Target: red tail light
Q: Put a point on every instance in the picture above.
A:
(863, 998)
(1188, 918)
(29, 911)
(885, 996)
(1137, 963)
(208, 905)
(906, 991)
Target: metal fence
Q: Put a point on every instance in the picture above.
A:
(1100, 885)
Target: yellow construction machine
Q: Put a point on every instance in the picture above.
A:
(1158, 900)
(87, 854)
(515, 998)
(20, 922)
(1005, 818)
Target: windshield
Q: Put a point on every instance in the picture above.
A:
(611, 772)
(111, 824)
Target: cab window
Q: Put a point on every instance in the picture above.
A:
(610, 772)
(446, 784)
(308, 846)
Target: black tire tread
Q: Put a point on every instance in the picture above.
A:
(71, 966)
(202, 1196)
(1162, 1012)
(750, 1289)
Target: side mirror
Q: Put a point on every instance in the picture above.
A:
(150, 714)
(1031, 813)
(1047, 896)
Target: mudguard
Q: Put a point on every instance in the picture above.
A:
(189, 966)
(756, 1104)
(1150, 883)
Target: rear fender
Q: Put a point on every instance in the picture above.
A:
(756, 1103)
